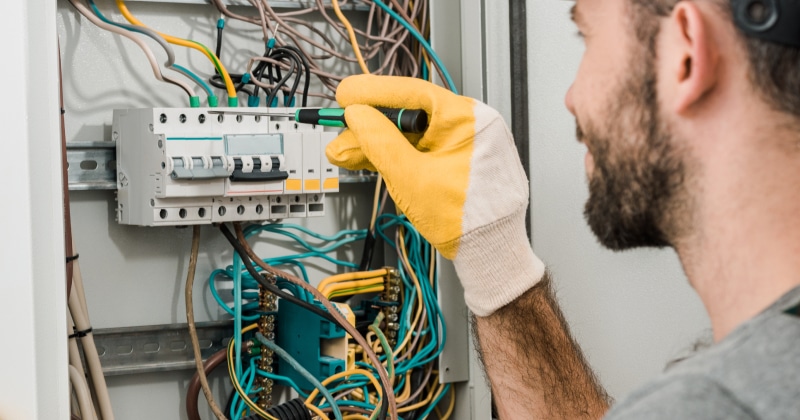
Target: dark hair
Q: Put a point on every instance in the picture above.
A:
(774, 69)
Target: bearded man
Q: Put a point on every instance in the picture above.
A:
(690, 112)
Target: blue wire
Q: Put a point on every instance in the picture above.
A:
(435, 402)
(258, 228)
(194, 77)
(222, 304)
(237, 313)
(286, 380)
(134, 28)
(422, 41)
(306, 245)
(238, 405)
(302, 371)
(419, 261)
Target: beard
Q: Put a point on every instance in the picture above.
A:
(636, 189)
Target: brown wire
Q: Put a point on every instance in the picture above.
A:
(382, 36)
(68, 251)
(383, 375)
(193, 391)
(198, 358)
(419, 389)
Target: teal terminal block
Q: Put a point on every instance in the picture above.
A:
(307, 337)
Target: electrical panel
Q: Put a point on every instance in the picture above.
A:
(186, 166)
(163, 159)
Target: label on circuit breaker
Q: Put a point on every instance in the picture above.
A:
(311, 163)
(293, 149)
(329, 171)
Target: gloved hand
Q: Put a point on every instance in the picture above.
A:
(461, 183)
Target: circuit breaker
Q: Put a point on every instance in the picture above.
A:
(186, 166)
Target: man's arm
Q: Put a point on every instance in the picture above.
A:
(535, 368)
(447, 183)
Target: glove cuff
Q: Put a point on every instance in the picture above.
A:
(496, 264)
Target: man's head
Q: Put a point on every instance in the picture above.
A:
(654, 75)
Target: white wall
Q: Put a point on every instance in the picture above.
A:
(33, 374)
(631, 312)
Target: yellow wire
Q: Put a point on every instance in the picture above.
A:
(316, 411)
(424, 51)
(431, 396)
(358, 275)
(375, 383)
(328, 290)
(451, 406)
(235, 380)
(355, 417)
(184, 43)
(352, 34)
(350, 292)
(374, 217)
(418, 315)
(406, 390)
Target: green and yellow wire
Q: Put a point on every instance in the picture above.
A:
(233, 100)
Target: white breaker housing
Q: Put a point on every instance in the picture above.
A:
(188, 166)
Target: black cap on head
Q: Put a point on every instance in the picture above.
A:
(776, 21)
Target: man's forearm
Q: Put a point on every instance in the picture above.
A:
(534, 366)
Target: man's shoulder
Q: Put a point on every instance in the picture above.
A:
(682, 397)
(753, 373)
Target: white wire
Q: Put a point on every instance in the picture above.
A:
(82, 392)
(77, 308)
(145, 48)
(76, 361)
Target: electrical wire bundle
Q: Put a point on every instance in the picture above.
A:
(390, 377)
(409, 364)
(132, 31)
(395, 40)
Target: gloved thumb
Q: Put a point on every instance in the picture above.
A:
(371, 142)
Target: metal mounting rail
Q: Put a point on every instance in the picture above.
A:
(157, 348)
(92, 165)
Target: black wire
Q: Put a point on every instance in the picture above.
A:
(289, 51)
(280, 84)
(296, 64)
(216, 79)
(272, 288)
(383, 414)
(218, 50)
(307, 69)
(258, 73)
(416, 381)
(230, 401)
(302, 63)
(366, 256)
(283, 295)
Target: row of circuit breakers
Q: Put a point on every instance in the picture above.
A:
(186, 166)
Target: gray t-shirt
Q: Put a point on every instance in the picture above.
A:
(754, 373)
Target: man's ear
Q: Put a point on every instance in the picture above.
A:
(689, 56)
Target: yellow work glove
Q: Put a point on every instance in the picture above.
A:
(461, 183)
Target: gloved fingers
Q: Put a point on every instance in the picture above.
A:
(451, 117)
(389, 92)
(345, 151)
(380, 141)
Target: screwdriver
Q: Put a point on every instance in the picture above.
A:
(407, 120)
